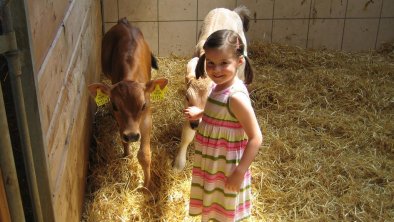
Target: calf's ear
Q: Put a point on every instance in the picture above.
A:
(150, 86)
(102, 86)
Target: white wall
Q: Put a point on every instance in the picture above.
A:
(171, 26)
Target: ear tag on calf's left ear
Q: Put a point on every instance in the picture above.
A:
(101, 98)
(158, 94)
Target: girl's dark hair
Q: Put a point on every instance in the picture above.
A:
(229, 39)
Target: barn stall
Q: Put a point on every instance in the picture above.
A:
(328, 146)
(49, 52)
(325, 113)
(327, 153)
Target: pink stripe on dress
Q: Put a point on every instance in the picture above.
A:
(209, 177)
(217, 208)
(243, 207)
(223, 123)
(211, 142)
(214, 207)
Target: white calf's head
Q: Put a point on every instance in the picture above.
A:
(196, 89)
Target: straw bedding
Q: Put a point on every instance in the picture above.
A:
(327, 155)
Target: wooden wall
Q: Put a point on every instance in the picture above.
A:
(4, 211)
(66, 44)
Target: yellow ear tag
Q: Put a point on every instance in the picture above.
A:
(101, 98)
(158, 94)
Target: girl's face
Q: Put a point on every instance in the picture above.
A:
(221, 66)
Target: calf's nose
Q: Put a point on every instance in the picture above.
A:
(194, 124)
(131, 137)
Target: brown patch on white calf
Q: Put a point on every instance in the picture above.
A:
(196, 89)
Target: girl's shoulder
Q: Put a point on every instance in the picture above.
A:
(239, 86)
(239, 95)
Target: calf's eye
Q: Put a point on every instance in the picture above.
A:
(114, 107)
(143, 107)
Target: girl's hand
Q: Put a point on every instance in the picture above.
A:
(193, 113)
(234, 181)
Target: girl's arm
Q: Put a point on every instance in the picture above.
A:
(243, 111)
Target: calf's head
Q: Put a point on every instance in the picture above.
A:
(196, 89)
(130, 104)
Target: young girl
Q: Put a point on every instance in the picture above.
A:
(228, 137)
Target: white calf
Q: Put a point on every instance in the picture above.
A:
(196, 95)
(197, 89)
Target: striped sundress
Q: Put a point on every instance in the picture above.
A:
(219, 144)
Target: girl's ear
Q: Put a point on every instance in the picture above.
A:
(150, 86)
(241, 60)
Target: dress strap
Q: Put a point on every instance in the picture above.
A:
(229, 97)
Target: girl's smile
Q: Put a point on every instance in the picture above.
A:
(221, 66)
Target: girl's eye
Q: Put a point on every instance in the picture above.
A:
(143, 107)
(114, 107)
(187, 98)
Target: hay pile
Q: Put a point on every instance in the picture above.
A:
(327, 155)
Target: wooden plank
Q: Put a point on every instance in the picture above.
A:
(71, 100)
(4, 210)
(69, 190)
(59, 134)
(68, 164)
(45, 17)
(53, 75)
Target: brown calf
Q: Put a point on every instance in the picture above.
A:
(127, 60)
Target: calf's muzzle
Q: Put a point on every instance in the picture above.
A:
(131, 137)
(194, 124)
